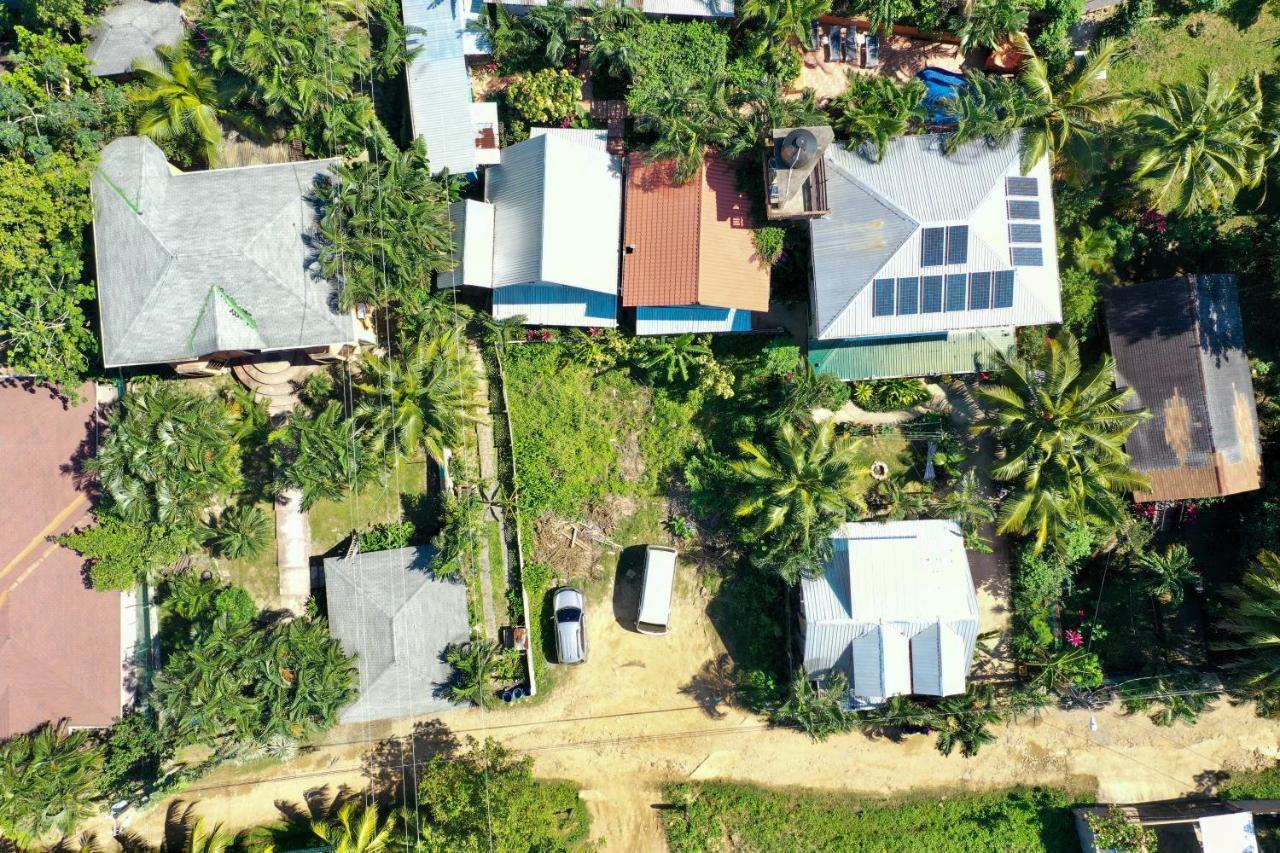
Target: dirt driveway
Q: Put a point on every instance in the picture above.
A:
(642, 712)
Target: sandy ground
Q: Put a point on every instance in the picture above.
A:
(642, 712)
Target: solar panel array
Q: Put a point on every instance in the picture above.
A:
(934, 294)
(1024, 236)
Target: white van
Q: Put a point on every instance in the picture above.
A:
(656, 589)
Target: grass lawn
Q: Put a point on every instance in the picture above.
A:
(730, 816)
(1159, 54)
(333, 521)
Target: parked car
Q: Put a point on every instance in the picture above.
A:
(656, 589)
(569, 610)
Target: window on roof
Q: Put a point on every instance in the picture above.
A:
(1024, 232)
(956, 284)
(882, 297)
(909, 295)
(1021, 186)
(933, 247)
(958, 244)
(1026, 256)
(931, 294)
(1024, 209)
(979, 291)
(1002, 297)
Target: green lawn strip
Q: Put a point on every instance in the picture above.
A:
(333, 521)
(725, 815)
(1161, 54)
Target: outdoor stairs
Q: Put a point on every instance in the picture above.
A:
(275, 379)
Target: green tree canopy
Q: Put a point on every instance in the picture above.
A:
(325, 454)
(48, 780)
(1252, 624)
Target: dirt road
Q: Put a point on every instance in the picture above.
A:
(643, 712)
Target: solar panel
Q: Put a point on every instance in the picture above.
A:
(958, 244)
(979, 291)
(882, 298)
(1024, 232)
(1003, 296)
(931, 295)
(1024, 209)
(1021, 186)
(1027, 256)
(932, 247)
(909, 296)
(956, 284)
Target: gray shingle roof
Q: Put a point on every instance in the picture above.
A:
(397, 618)
(191, 264)
(132, 30)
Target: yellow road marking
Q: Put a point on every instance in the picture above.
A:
(20, 578)
(49, 529)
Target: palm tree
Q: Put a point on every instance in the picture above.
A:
(799, 489)
(876, 110)
(817, 713)
(1169, 574)
(989, 22)
(555, 27)
(180, 98)
(356, 829)
(49, 779)
(989, 109)
(1253, 622)
(883, 14)
(425, 399)
(242, 531)
(1062, 431)
(780, 26)
(674, 356)
(1198, 144)
(202, 840)
(608, 27)
(325, 454)
(962, 721)
(967, 504)
(687, 118)
(1066, 118)
(473, 665)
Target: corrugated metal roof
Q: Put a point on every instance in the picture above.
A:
(698, 319)
(885, 584)
(557, 201)
(682, 8)
(389, 610)
(967, 351)
(472, 223)
(873, 231)
(1179, 343)
(439, 84)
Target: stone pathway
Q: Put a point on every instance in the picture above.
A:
(850, 413)
(275, 380)
(293, 551)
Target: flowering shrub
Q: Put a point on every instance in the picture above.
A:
(551, 95)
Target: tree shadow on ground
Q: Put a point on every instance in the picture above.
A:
(392, 765)
(626, 586)
(1243, 13)
(712, 686)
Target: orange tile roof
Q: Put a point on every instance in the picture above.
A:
(689, 244)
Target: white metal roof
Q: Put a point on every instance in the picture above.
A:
(879, 211)
(472, 223)
(895, 609)
(1228, 833)
(439, 83)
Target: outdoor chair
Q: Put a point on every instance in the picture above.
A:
(873, 51)
(815, 35)
(837, 46)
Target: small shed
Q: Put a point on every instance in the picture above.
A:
(1179, 344)
(390, 611)
(130, 31)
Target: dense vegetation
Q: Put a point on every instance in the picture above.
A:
(756, 818)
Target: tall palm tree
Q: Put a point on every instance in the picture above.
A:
(802, 487)
(1066, 118)
(356, 829)
(1253, 623)
(609, 29)
(989, 109)
(1062, 431)
(201, 839)
(1198, 144)
(473, 664)
(179, 98)
(425, 399)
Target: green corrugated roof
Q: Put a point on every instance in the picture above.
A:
(918, 355)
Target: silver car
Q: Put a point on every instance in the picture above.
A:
(569, 609)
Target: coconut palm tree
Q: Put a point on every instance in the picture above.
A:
(201, 839)
(1062, 430)
(797, 491)
(1196, 145)
(1253, 623)
(968, 505)
(1168, 573)
(180, 99)
(989, 22)
(873, 111)
(817, 713)
(1063, 116)
(674, 356)
(424, 399)
(473, 664)
(687, 119)
(609, 28)
(356, 829)
(989, 109)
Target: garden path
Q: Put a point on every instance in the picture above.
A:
(489, 491)
(850, 413)
(293, 551)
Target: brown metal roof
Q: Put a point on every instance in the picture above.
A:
(690, 244)
(1179, 344)
(60, 643)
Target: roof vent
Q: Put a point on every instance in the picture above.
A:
(798, 149)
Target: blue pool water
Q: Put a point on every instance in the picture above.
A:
(941, 84)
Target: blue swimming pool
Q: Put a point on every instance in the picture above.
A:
(941, 84)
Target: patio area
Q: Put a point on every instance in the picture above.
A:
(903, 53)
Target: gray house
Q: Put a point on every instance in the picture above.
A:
(198, 269)
(130, 31)
(895, 611)
(389, 610)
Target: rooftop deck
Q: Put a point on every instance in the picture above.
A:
(903, 53)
